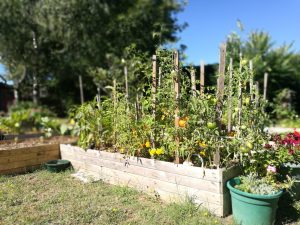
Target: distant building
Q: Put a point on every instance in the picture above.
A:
(6, 96)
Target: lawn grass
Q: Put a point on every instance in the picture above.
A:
(57, 198)
(46, 198)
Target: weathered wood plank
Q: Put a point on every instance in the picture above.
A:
(30, 162)
(28, 156)
(203, 184)
(141, 182)
(28, 150)
(190, 171)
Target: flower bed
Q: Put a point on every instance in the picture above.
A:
(167, 180)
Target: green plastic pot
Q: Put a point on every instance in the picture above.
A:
(56, 166)
(252, 209)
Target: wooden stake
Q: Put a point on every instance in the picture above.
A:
(240, 105)
(202, 77)
(229, 128)
(193, 81)
(115, 108)
(137, 108)
(159, 76)
(265, 85)
(220, 87)
(256, 94)
(126, 82)
(153, 90)
(251, 79)
(81, 89)
(177, 96)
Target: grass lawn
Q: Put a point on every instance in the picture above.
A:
(46, 198)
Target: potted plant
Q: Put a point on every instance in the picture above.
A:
(259, 190)
(288, 146)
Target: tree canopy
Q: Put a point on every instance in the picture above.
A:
(53, 38)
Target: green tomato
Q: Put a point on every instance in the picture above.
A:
(260, 141)
(244, 149)
(249, 145)
(211, 125)
(243, 127)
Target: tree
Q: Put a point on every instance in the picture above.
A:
(279, 62)
(53, 37)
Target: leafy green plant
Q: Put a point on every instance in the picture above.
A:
(261, 186)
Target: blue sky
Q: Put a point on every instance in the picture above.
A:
(210, 21)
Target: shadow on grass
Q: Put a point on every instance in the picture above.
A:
(288, 211)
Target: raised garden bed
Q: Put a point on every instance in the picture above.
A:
(169, 181)
(29, 154)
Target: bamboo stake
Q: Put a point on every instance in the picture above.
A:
(137, 108)
(177, 96)
(126, 83)
(81, 89)
(229, 128)
(256, 94)
(115, 108)
(154, 68)
(251, 79)
(202, 77)
(193, 81)
(265, 85)
(159, 76)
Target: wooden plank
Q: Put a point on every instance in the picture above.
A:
(22, 157)
(28, 150)
(212, 186)
(196, 172)
(143, 181)
(30, 162)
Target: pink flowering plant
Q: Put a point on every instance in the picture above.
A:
(268, 164)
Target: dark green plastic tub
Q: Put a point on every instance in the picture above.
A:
(252, 209)
(56, 166)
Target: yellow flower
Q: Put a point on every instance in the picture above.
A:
(122, 150)
(159, 151)
(202, 144)
(202, 153)
(72, 122)
(147, 144)
(152, 151)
